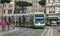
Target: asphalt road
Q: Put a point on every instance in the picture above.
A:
(56, 32)
(26, 32)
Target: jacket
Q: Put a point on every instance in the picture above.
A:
(3, 23)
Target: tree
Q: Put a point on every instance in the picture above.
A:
(5, 1)
(42, 2)
(23, 4)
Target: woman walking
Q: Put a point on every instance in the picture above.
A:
(3, 23)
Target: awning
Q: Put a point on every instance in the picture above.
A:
(58, 18)
(52, 18)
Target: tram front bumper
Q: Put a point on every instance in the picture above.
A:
(39, 26)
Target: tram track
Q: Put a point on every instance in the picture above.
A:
(47, 32)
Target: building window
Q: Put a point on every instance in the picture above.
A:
(53, 1)
(4, 5)
(59, 0)
(59, 15)
(10, 5)
(4, 12)
(9, 11)
(41, 10)
(48, 1)
(59, 9)
(51, 9)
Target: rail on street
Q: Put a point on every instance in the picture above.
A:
(25, 32)
(48, 32)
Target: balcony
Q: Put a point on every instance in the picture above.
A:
(57, 4)
(58, 12)
(51, 11)
(53, 4)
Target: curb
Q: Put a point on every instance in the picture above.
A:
(2, 33)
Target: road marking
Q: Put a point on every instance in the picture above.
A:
(51, 32)
(44, 32)
(48, 32)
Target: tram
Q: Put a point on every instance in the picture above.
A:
(39, 20)
(22, 20)
(34, 20)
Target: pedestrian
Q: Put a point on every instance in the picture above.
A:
(0, 22)
(13, 25)
(8, 24)
(3, 23)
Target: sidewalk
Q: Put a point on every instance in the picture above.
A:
(6, 28)
(7, 31)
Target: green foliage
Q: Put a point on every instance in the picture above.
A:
(23, 3)
(5, 1)
(42, 2)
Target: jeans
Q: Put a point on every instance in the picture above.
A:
(3, 28)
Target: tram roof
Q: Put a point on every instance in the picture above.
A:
(38, 12)
(25, 14)
(18, 14)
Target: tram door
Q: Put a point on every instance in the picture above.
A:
(17, 20)
(29, 21)
(22, 21)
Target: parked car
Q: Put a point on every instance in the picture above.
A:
(47, 23)
(53, 23)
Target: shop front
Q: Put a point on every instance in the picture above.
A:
(50, 19)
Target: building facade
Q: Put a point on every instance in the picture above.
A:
(8, 8)
(53, 9)
(0, 10)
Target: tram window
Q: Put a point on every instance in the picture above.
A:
(38, 20)
(37, 15)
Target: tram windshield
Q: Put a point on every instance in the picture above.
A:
(39, 18)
